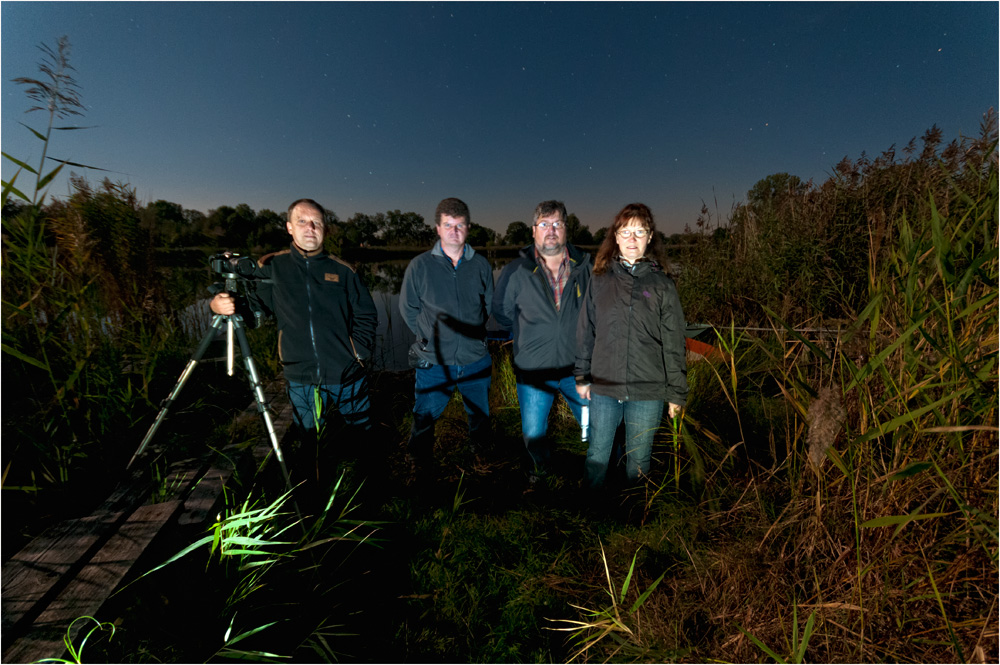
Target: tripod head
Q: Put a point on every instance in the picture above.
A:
(240, 275)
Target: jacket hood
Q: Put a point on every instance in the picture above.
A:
(640, 267)
(576, 255)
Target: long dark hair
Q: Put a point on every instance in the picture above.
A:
(608, 250)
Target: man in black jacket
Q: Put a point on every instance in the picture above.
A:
(538, 296)
(326, 322)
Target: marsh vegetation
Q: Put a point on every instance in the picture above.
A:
(830, 493)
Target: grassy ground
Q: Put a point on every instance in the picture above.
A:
(830, 494)
(743, 560)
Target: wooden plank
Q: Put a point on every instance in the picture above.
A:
(89, 590)
(37, 573)
(206, 497)
(282, 421)
(45, 569)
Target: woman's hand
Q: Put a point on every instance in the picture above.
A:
(223, 304)
(673, 410)
(583, 390)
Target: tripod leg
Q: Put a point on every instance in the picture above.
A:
(185, 375)
(258, 393)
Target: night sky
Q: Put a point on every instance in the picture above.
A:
(370, 107)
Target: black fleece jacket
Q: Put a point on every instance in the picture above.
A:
(326, 316)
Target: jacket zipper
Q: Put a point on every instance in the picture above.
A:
(309, 309)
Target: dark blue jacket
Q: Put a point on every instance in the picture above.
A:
(447, 307)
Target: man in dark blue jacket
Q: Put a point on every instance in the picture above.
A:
(445, 299)
(538, 297)
(326, 322)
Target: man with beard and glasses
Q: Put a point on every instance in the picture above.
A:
(538, 298)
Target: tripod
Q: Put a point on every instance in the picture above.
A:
(234, 324)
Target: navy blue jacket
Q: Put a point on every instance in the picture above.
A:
(447, 307)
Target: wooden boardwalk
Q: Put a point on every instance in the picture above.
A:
(70, 570)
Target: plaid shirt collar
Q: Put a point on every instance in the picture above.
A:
(558, 281)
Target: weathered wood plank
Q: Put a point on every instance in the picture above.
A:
(37, 573)
(42, 582)
(90, 589)
(206, 497)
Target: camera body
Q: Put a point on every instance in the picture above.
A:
(230, 264)
(238, 271)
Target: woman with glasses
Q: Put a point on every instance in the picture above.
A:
(630, 345)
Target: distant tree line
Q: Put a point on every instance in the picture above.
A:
(170, 225)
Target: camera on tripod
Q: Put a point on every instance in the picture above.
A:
(228, 263)
(238, 271)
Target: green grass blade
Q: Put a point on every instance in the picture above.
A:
(9, 188)
(628, 578)
(812, 347)
(23, 358)
(48, 178)
(645, 594)
(249, 633)
(911, 416)
(878, 360)
(944, 614)
(910, 471)
(19, 163)
(39, 135)
(800, 652)
(66, 162)
(837, 460)
(184, 552)
(899, 519)
(760, 645)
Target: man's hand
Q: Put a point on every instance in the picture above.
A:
(223, 304)
(673, 410)
(583, 390)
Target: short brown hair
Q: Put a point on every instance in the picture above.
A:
(322, 212)
(546, 208)
(452, 208)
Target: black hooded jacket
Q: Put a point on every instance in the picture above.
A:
(630, 337)
(544, 337)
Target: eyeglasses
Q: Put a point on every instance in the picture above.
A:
(545, 225)
(628, 233)
(458, 227)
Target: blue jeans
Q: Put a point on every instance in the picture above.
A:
(536, 396)
(351, 399)
(432, 391)
(642, 418)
